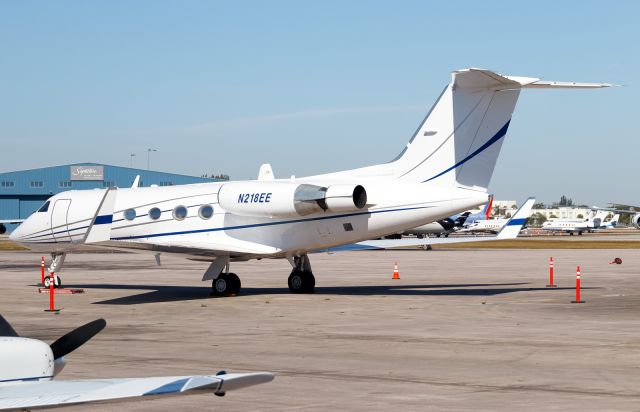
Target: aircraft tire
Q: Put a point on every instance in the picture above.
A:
(57, 283)
(226, 284)
(301, 282)
(234, 284)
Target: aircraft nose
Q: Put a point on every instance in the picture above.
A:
(16, 235)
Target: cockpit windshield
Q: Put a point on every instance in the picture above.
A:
(44, 207)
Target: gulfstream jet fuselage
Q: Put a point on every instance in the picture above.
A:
(444, 169)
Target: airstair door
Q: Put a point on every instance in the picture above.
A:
(59, 226)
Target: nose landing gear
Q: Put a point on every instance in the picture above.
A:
(57, 259)
(57, 282)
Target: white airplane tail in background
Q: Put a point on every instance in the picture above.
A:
(459, 141)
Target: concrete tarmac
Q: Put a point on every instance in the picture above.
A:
(461, 330)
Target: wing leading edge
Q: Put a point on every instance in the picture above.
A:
(51, 393)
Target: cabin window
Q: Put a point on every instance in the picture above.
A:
(130, 214)
(44, 207)
(206, 211)
(348, 227)
(179, 212)
(154, 213)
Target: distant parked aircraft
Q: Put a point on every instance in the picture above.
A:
(451, 224)
(578, 226)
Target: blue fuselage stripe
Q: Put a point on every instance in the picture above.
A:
(499, 135)
(103, 220)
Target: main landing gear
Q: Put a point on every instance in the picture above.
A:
(226, 284)
(301, 279)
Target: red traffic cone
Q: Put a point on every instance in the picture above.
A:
(396, 274)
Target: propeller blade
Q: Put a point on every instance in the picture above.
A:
(76, 338)
(6, 329)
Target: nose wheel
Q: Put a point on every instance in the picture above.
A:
(226, 284)
(301, 281)
(57, 282)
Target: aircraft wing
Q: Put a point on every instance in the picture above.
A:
(52, 393)
(509, 231)
(11, 221)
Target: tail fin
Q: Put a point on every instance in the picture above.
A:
(614, 220)
(459, 141)
(488, 208)
(519, 219)
(459, 222)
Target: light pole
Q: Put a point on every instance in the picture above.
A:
(132, 155)
(149, 155)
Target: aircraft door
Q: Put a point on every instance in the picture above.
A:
(59, 227)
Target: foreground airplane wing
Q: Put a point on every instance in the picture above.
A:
(52, 393)
(509, 231)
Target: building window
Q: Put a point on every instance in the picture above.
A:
(206, 211)
(108, 183)
(154, 213)
(165, 184)
(36, 183)
(179, 213)
(7, 183)
(64, 183)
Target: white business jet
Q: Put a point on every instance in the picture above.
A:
(578, 226)
(29, 366)
(444, 169)
(485, 225)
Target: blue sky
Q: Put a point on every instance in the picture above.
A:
(313, 87)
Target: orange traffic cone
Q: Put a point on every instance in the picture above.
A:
(396, 274)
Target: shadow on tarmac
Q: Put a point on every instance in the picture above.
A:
(164, 293)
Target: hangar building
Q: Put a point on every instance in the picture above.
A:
(23, 192)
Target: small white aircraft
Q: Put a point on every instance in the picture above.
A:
(444, 169)
(633, 211)
(28, 367)
(485, 225)
(578, 226)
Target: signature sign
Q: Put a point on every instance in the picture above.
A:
(87, 173)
